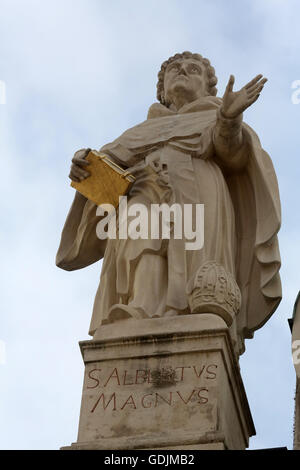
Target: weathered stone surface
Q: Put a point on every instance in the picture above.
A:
(171, 315)
(174, 386)
(194, 148)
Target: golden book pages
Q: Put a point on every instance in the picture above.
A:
(107, 182)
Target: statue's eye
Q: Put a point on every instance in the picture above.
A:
(194, 69)
(174, 67)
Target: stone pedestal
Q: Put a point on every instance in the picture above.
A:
(164, 383)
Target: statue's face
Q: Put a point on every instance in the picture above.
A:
(185, 80)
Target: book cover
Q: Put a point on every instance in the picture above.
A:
(107, 181)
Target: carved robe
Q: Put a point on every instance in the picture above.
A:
(242, 218)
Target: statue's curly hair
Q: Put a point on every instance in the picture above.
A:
(210, 73)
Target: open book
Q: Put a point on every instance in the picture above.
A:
(107, 181)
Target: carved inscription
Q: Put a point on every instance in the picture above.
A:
(160, 386)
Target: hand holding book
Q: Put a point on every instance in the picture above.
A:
(104, 182)
(78, 170)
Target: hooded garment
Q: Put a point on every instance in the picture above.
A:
(242, 214)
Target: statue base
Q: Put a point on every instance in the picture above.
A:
(163, 383)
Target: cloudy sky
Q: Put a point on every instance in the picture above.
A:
(78, 73)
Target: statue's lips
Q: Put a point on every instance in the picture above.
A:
(180, 78)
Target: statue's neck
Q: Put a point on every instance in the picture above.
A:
(179, 102)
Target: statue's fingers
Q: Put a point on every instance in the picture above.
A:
(79, 172)
(76, 175)
(253, 81)
(82, 172)
(254, 92)
(257, 85)
(80, 161)
(80, 155)
(230, 84)
(74, 178)
(253, 99)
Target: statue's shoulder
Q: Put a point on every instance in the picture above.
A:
(157, 110)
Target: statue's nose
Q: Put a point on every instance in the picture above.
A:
(182, 71)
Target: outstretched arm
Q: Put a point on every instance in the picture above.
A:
(229, 143)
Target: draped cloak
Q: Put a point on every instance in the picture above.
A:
(250, 195)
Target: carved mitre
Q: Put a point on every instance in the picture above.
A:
(215, 291)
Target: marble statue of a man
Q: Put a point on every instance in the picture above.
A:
(193, 148)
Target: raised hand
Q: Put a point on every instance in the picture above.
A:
(235, 102)
(79, 163)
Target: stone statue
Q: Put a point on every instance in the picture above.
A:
(193, 148)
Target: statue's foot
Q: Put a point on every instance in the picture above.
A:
(124, 312)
